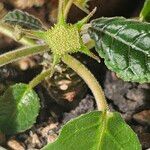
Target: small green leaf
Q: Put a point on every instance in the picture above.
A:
(19, 107)
(96, 131)
(25, 20)
(125, 46)
(82, 4)
(2, 148)
(145, 13)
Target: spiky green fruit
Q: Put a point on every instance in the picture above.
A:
(63, 39)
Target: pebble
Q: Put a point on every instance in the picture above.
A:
(15, 145)
(86, 105)
(34, 139)
(142, 117)
(126, 96)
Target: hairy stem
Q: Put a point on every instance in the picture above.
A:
(60, 17)
(21, 53)
(9, 31)
(67, 8)
(41, 76)
(90, 80)
(86, 19)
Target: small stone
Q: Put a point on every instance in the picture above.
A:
(52, 137)
(24, 4)
(86, 105)
(45, 131)
(144, 86)
(143, 117)
(137, 95)
(15, 145)
(34, 140)
(127, 97)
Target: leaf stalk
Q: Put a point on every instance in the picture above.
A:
(41, 76)
(90, 80)
(21, 53)
(9, 31)
(67, 8)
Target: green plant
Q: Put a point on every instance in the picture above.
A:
(123, 43)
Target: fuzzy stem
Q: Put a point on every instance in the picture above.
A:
(60, 17)
(21, 53)
(40, 77)
(9, 31)
(86, 19)
(67, 8)
(90, 80)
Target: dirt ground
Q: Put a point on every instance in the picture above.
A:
(63, 99)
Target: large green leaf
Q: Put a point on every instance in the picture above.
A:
(145, 13)
(125, 46)
(25, 20)
(19, 107)
(96, 131)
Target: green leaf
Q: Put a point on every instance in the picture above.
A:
(96, 131)
(145, 13)
(125, 46)
(25, 20)
(81, 4)
(2, 148)
(19, 107)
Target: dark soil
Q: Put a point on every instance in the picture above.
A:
(62, 101)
